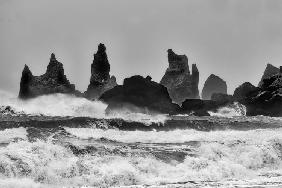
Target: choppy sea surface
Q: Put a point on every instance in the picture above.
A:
(62, 141)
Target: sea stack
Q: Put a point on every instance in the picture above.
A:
(100, 80)
(213, 84)
(181, 84)
(53, 81)
(269, 71)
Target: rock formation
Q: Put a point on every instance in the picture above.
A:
(100, 80)
(213, 84)
(264, 100)
(269, 71)
(53, 81)
(138, 94)
(180, 83)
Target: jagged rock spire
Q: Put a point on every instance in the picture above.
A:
(177, 63)
(100, 67)
(195, 81)
(179, 82)
(24, 83)
(53, 81)
(100, 80)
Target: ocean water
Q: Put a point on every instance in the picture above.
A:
(104, 156)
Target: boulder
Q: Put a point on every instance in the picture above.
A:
(178, 80)
(139, 94)
(269, 71)
(53, 81)
(213, 84)
(100, 80)
(197, 107)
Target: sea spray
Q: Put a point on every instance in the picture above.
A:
(231, 110)
(68, 105)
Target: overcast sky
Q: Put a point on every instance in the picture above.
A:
(233, 39)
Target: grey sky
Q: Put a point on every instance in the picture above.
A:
(233, 39)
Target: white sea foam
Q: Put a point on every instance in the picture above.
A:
(256, 136)
(250, 157)
(9, 135)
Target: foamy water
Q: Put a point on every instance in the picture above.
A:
(223, 158)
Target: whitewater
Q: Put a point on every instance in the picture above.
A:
(64, 141)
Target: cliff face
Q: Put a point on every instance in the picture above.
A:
(138, 94)
(180, 83)
(100, 80)
(213, 84)
(269, 71)
(53, 81)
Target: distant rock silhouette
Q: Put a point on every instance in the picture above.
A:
(53, 81)
(100, 80)
(269, 71)
(180, 83)
(213, 84)
(139, 94)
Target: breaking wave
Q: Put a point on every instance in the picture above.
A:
(68, 105)
(224, 159)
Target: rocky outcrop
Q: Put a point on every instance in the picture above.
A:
(100, 80)
(138, 94)
(200, 107)
(178, 80)
(269, 71)
(53, 81)
(265, 100)
(213, 84)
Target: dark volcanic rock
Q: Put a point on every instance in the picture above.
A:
(100, 80)
(213, 84)
(244, 91)
(138, 94)
(53, 81)
(269, 71)
(180, 83)
(266, 100)
(198, 107)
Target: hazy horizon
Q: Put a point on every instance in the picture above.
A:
(233, 39)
